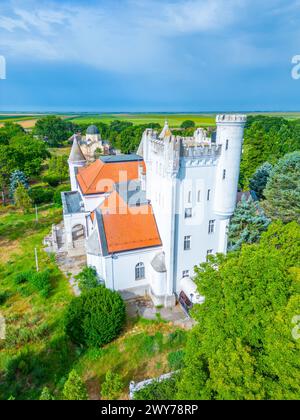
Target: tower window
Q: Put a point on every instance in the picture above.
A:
(199, 196)
(186, 273)
(187, 213)
(224, 174)
(227, 144)
(187, 243)
(140, 271)
(190, 197)
(211, 226)
(208, 195)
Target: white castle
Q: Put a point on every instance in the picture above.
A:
(146, 220)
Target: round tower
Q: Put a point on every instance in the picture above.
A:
(230, 132)
(76, 160)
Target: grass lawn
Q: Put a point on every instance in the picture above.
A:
(36, 352)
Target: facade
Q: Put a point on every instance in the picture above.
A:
(149, 218)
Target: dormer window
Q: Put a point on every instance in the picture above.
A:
(227, 144)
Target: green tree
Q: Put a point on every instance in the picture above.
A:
(187, 124)
(112, 386)
(247, 224)
(283, 189)
(22, 199)
(260, 178)
(96, 317)
(46, 395)
(74, 388)
(87, 279)
(242, 346)
(54, 130)
(58, 166)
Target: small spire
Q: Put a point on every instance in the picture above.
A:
(76, 154)
(166, 132)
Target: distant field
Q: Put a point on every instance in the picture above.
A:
(175, 120)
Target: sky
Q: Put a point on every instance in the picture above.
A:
(149, 55)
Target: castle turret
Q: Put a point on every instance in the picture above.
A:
(230, 131)
(76, 160)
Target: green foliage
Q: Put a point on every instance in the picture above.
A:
(88, 279)
(266, 139)
(283, 189)
(96, 317)
(187, 124)
(22, 199)
(52, 179)
(46, 395)
(242, 346)
(23, 277)
(41, 195)
(57, 194)
(176, 359)
(158, 390)
(247, 224)
(74, 388)
(41, 281)
(53, 130)
(58, 167)
(260, 178)
(112, 386)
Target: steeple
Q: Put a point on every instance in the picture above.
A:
(166, 132)
(76, 154)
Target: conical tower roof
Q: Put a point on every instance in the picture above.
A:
(76, 154)
(166, 132)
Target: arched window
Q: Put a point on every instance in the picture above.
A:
(140, 271)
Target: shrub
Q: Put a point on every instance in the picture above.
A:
(176, 359)
(23, 277)
(158, 390)
(3, 297)
(52, 180)
(41, 282)
(74, 388)
(41, 195)
(112, 387)
(95, 318)
(87, 279)
(46, 395)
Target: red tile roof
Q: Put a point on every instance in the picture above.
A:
(100, 177)
(128, 228)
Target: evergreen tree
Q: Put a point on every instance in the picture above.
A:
(247, 224)
(260, 178)
(22, 199)
(16, 178)
(74, 388)
(46, 395)
(243, 345)
(112, 387)
(283, 189)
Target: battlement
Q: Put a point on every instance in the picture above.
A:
(196, 152)
(231, 118)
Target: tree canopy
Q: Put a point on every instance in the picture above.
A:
(243, 346)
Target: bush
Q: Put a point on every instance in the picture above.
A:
(96, 317)
(3, 297)
(46, 395)
(41, 282)
(41, 195)
(187, 124)
(158, 390)
(176, 359)
(87, 279)
(57, 194)
(52, 180)
(74, 388)
(23, 277)
(112, 387)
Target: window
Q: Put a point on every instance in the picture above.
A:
(140, 271)
(187, 243)
(208, 252)
(224, 174)
(190, 197)
(187, 213)
(227, 143)
(208, 195)
(199, 196)
(186, 273)
(211, 226)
